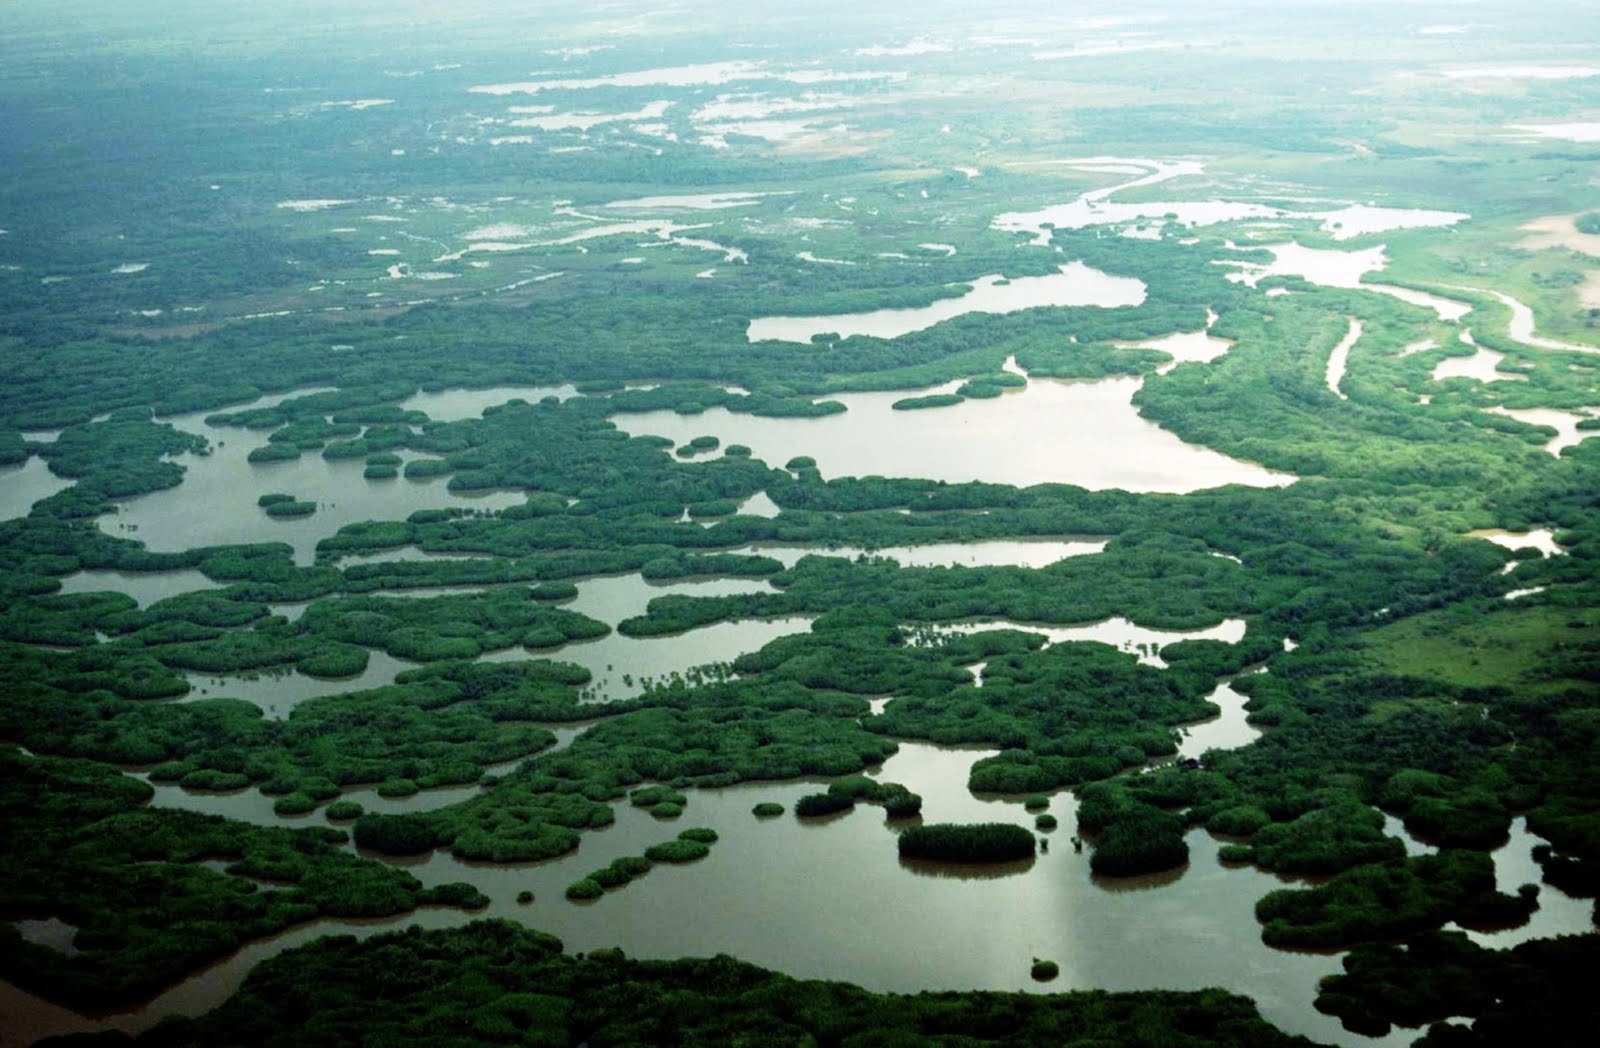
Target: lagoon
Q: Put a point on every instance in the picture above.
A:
(1084, 433)
(1074, 285)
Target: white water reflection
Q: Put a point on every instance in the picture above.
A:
(1120, 633)
(621, 666)
(1558, 912)
(277, 691)
(1084, 433)
(759, 505)
(1541, 539)
(1075, 285)
(1328, 267)
(1021, 553)
(1482, 366)
(1565, 423)
(1334, 375)
(1228, 730)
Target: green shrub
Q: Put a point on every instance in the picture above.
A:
(650, 796)
(342, 810)
(699, 833)
(814, 805)
(583, 889)
(677, 851)
(294, 804)
(767, 810)
(973, 842)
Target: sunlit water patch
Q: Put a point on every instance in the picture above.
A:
(1075, 285)
(621, 666)
(1228, 730)
(1085, 433)
(1141, 641)
(1565, 423)
(278, 691)
(1021, 553)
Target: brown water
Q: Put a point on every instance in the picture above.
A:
(831, 899)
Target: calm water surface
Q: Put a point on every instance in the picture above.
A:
(1085, 433)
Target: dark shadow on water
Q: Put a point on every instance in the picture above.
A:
(967, 871)
(1140, 882)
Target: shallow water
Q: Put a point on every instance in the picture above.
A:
(1226, 731)
(1085, 433)
(278, 692)
(1118, 632)
(1541, 539)
(23, 485)
(1022, 553)
(1075, 285)
(453, 405)
(1482, 366)
(621, 665)
(1565, 423)
(216, 502)
(146, 587)
(830, 899)
(612, 598)
(1329, 267)
(1338, 359)
(1522, 328)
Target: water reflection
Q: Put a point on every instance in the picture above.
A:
(1084, 433)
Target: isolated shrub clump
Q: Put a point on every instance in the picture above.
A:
(974, 842)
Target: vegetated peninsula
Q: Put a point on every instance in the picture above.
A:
(758, 506)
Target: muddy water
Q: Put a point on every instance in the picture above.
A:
(831, 899)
